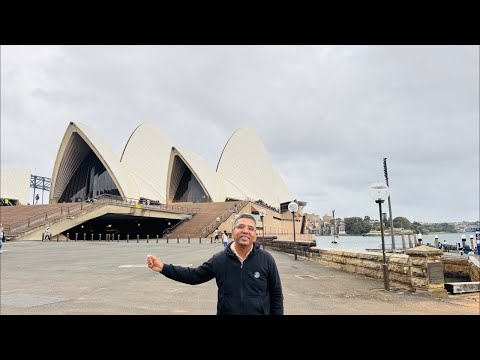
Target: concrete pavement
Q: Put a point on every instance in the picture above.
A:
(112, 278)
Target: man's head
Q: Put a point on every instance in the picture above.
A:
(244, 231)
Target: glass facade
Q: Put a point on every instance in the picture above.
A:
(185, 184)
(90, 179)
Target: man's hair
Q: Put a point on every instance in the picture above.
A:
(245, 216)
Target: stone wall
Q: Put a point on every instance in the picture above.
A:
(420, 268)
(455, 267)
(474, 268)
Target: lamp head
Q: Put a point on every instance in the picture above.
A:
(379, 191)
(262, 213)
(293, 207)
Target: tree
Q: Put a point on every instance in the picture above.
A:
(419, 228)
(356, 226)
(401, 222)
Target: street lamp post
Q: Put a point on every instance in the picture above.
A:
(334, 241)
(293, 208)
(379, 192)
(262, 214)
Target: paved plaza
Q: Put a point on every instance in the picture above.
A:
(69, 278)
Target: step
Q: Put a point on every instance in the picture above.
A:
(462, 287)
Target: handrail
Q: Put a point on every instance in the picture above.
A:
(134, 202)
(43, 217)
(37, 220)
(170, 229)
(214, 224)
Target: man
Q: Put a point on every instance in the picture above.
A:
(1, 238)
(47, 235)
(247, 276)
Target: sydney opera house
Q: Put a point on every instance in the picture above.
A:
(152, 173)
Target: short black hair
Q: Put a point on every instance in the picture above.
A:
(245, 216)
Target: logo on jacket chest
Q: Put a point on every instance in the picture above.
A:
(256, 275)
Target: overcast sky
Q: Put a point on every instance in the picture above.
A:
(327, 115)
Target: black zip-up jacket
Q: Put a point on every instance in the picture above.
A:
(251, 288)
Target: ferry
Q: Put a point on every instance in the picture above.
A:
(373, 233)
(396, 232)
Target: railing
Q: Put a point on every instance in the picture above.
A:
(118, 200)
(35, 221)
(226, 214)
(170, 229)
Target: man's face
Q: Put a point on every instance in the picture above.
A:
(244, 232)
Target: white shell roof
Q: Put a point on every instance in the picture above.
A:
(246, 164)
(146, 154)
(244, 170)
(204, 172)
(70, 159)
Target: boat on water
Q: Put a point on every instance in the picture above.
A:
(373, 233)
(387, 232)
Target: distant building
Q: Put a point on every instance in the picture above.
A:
(15, 186)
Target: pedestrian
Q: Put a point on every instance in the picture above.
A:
(47, 234)
(2, 234)
(247, 277)
(225, 238)
(216, 235)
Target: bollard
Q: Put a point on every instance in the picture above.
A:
(211, 240)
(68, 235)
(436, 241)
(157, 238)
(200, 238)
(91, 238)
(167, 239)
(128, 238)
(410, 245)
(464, 239)
(84, 237)
(189, 240)
(471, 241)
(137, 238)
(76, 236)
(178, 240)
(148, 238)
(118, 239)
(403, 241)
(99, 237)
(58, 235)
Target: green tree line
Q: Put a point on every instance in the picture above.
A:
(359, 226)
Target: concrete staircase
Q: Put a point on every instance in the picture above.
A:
(20, 219)
(12, 217)
(206, 216)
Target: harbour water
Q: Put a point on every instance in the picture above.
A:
(347, 242)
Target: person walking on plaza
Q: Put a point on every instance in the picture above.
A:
(216, 235)
(225, 238)
(2, 234)
(247, 277)
(47, 235)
